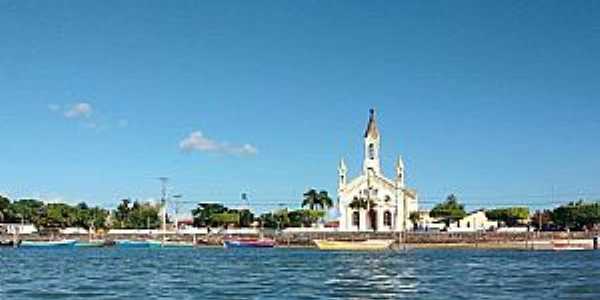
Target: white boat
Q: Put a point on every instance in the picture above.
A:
(572, 245)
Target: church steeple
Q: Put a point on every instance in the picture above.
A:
(342, 174)
(372, 130)
(372, 142)
(400, 172)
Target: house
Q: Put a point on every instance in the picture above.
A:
(474, 221)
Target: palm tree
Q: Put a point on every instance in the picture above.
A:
(311, 199)
(324, 200)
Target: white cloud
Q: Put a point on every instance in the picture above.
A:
(196, 141)
(79, 110)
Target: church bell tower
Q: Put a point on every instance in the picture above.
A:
(371, 161)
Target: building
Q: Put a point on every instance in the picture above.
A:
(475, 221)
(372, 202)
(17, 228)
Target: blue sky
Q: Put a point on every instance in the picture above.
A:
(496, 101)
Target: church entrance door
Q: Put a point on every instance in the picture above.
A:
(372, 219)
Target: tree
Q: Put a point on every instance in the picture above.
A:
(324, 200)
(304, 217)
(361, 203)
(449, 210)
(509, 216)
(577, 215)
(276, 220)
(415, 218)
(543, 218)
(4, 208)
(203, 214)
(311, 199)
(26, 209)
(138, 216)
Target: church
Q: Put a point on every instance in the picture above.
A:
(371, 201)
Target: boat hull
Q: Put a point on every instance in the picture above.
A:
(91, 244)
(9, 244)
(368, 245)
(138, 244)
(177, 245)
(249, 244)
(48, 244)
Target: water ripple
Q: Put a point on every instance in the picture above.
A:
(296, 274)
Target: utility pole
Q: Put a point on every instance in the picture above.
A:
(178, 196)
(539, 223)
(163, 203)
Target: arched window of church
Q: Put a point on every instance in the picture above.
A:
(387, 218)
(371, 151)
(355, 219)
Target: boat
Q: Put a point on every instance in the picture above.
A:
(91, 244)
(571, 245)
(138, 244)
(48, 244)
(175, 244)
(248, 243)
(366, 245)
(9, 243)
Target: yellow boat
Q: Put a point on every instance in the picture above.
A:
(368, 245)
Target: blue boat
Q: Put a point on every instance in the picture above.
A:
(48, 244)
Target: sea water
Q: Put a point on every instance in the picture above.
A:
(214, 273)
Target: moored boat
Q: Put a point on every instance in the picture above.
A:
(48, 244)
(9, 243)
(91, 244)
(367, 245)
(138, 244)
(175, 244)
(249, 243)
(574, 245)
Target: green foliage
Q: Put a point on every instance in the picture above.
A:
(577, 215)
(543, 218)
(212, 214)
(450, 209)
(137, 215)
(314, 199)
(297, 218)
(304, 217)
(278, 219)
(510, 216)
(26, 209)
(414, 217)
(52, 215)
(4, 208)
(362, 203)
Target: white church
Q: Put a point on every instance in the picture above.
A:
(372, 202)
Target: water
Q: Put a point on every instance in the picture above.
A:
(114, 273)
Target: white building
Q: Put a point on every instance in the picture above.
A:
(475, 221)
(372, 202)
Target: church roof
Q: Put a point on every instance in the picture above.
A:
(372, 130)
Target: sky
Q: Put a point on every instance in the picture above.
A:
(495, 101)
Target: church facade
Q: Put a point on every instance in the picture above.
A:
(371, 201)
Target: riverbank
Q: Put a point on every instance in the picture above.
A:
(413, 240)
